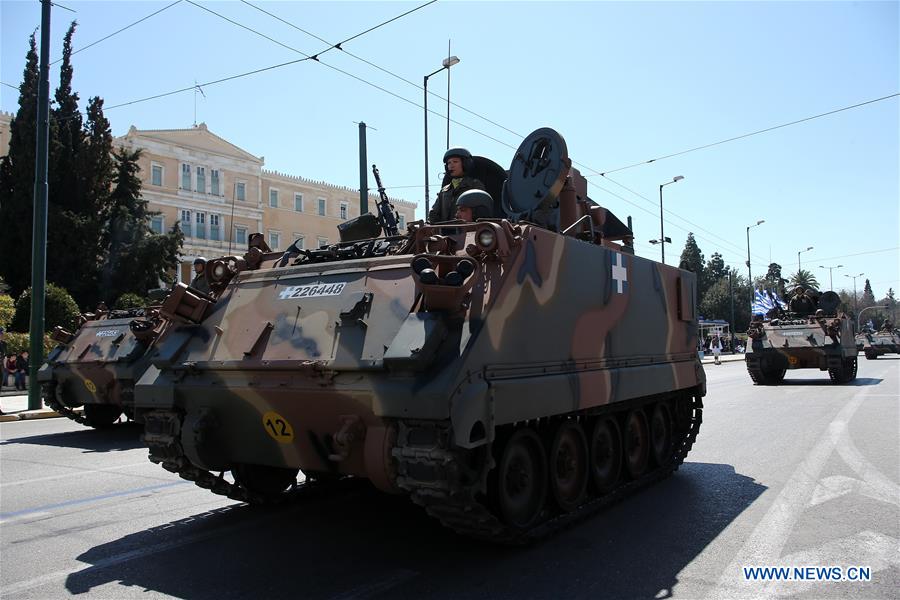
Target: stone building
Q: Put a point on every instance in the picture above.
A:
(219, 194)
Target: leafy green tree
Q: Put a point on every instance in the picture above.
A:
(59, 309)
(7, 310)
(136, 258)
(715, 268)
(17, 180)
(868, 296)
(692, 260)
(804, 279)
(774, 280)
(716, 302)
(130, 300)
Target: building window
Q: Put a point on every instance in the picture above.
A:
(299, 241)
(274, 240)
(156, 174)
(402, 223)
(201, 225)
(156, 224)
(214, 227)
(186, 177)
(240, 191)
(186, 222)
(322, 207)
(240, 235)
(323, 241)
(273, 198)
(298, 202)
(214, 187)
(201, 180)
(344, 209)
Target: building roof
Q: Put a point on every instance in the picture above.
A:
(198, 137)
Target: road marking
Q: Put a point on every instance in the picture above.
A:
(379, 586)
(75, 474)
(764, 545)
(51, 507)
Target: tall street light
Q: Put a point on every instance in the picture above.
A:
(855, 303)
(445, 64)
(662, 232)
(749, 273)
(798, 257)
(830, 278)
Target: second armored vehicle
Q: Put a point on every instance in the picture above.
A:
(875, 343)
(510, 375)
(812, 334)
(97, 366)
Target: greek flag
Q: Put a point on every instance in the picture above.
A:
(766, 300)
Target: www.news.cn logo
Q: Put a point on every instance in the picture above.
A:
(807, 573)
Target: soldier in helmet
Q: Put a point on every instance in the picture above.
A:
(473, 205)
(200, 283)
(458, 163)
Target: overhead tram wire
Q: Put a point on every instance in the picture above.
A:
(382, 69)
(118, 31)
(746, 135)
(315, 57)
(689, 222)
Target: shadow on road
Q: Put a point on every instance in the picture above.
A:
(362, 543)
(122, 436)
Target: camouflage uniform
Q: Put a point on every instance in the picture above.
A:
(200, 284)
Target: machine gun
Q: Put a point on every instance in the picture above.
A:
(387, 215)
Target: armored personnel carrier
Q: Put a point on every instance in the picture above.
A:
(510, 374)
(811, 334)
(875, 343)
(97, 366)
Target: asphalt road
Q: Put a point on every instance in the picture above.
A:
(798, 475)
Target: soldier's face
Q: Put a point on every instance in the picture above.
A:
(464, 213)
(198, 268)
(454, 166)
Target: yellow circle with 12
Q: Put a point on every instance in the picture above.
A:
(278, 428)
(90, 386)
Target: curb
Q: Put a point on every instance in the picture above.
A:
(28, 416)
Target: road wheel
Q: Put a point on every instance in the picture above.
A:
(569, 465)
(519, 483)
(264, 480)
(661, 434)
(606, 454)
(637, 443)
(101, 415)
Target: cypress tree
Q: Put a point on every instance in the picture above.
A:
(868, 297)
(136, 258)
(17, 181)
(692, 260)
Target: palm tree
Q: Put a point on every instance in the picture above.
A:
(804, 279)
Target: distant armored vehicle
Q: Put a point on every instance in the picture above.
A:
(511, 375)
(97, 366)
(812, 334)
(875, 343)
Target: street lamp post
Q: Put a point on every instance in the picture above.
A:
(662, 231)
(445, 64)
(830, 278)
(749, 272)
(798, 257)
(855, 303)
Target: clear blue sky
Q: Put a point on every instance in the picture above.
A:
(622, 82)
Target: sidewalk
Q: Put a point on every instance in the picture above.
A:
(15, 407)
(724, 358)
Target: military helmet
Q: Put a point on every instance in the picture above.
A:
(465, 155)
(200, 260)
(479, 201)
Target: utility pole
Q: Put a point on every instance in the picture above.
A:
(363, 171)
(39, 229)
